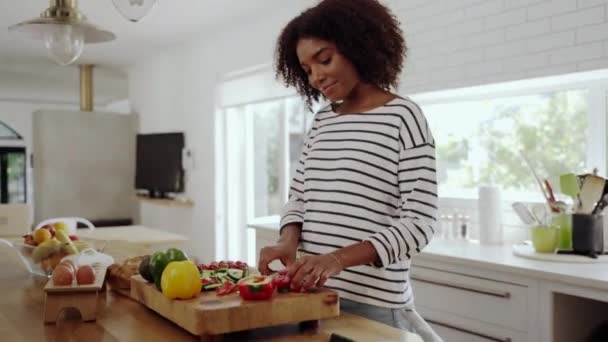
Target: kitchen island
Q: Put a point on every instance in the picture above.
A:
(122, 319)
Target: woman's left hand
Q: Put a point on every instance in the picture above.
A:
(309, 271)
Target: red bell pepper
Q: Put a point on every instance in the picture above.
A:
(256, 287)
(282, 282)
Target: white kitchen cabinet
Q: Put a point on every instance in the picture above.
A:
(471, 308)
(456, 334)
(485, 300)
(472, 292)
(452, 327)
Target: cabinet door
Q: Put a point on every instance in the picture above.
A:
(453, 327)
(484, 300)
(457, 335)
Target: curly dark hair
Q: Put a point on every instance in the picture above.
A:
(364, 31)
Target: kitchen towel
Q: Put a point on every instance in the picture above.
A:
(490, 218)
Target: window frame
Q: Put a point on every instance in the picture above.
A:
(596, 82)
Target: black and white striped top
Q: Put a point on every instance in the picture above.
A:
(367, 176)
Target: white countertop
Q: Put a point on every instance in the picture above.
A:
(501, 259)
(497, 258)
(267, 222)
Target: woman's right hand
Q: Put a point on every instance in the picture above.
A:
(283, 251)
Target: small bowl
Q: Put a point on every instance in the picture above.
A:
(545, 238)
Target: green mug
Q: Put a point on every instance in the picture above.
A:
(545, 238)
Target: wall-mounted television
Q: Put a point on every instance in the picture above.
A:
(159, 168)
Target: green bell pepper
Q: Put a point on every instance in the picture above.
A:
(175, 254)
(160, 260)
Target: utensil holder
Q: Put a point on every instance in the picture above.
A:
(587, 234)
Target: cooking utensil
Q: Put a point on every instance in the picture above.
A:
(540, 184)
(551, 200)
(591, 193)
(524, 213)
(601, 205)
(541, 213)
(339, 338)
(569, 186)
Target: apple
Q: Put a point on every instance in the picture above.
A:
(50, 228)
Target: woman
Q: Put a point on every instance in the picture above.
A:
(363, 199)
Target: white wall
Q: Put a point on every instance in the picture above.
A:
(452, 43)
(176, 91)
(466, 42)
(43, 81)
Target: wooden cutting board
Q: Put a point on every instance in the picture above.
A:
(209, 314)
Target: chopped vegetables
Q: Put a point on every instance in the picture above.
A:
(221, 275)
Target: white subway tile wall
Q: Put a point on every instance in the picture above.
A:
(457, 43)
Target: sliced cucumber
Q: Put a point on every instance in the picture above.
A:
(211, 286)
(221, 276)
(235, 274)
(207, 274)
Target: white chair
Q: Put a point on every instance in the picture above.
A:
(72, 223)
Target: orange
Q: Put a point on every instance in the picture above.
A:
(42, 235)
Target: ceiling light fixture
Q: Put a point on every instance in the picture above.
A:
(64, 30)
(134, 10)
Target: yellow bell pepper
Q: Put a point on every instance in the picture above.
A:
(181, 280)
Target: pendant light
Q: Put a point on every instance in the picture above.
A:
(134, 10)
(64, 30)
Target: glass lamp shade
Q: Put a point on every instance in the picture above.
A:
(64, 42)
(134, 10)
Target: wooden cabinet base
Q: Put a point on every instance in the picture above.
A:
(209, 315)
(83, 298)
(84, 302)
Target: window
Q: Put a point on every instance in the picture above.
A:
(558, 122)
(13, 184)
(265, 139)
(12, 175)
(274, 135)
(262, 144)
(482, 141)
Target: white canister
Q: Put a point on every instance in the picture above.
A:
(490, 218)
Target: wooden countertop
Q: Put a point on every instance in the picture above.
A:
(122, 319)
(132, 234)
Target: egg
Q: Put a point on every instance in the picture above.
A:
(85, 275)
(62, 275)
(70, 263)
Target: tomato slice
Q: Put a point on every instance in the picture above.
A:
(226, 289)
(282, 282)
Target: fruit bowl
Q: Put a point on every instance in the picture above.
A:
(42, 261)
(41, 251)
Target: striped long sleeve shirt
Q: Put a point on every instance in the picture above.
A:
(367, 176)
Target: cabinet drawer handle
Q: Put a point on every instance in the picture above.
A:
(505, 294)
(470, 332)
